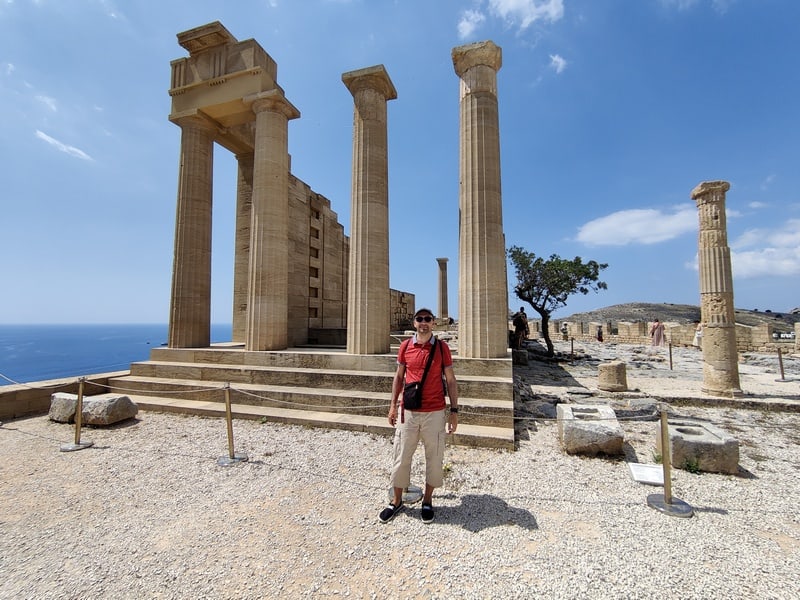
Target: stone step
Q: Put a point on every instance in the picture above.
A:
(475, 386)
(474, 411)
(467, 435)
(314, 358)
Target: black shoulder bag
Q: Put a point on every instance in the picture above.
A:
(412, 392)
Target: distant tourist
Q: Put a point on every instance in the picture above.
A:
(657, 333)
(599, 333)
(521, 331)
(697, 342)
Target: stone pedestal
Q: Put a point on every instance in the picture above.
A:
(720, 359)
(612, 377)
(700, 446)
(589, 429)
(368, 314)
(482, 285)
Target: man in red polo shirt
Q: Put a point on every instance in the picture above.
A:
(430, 421)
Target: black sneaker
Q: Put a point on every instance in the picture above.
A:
(388, 513)
(426, 513)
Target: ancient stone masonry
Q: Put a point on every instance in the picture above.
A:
(720, 360)
(443, 313)
(483, 287)
(368, 302)
(226, 93)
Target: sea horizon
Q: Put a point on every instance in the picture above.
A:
(41, 351)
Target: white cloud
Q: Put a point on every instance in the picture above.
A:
(526, 12)
(50, 103)
(721, 6)
(71, 150)
(765, 252)
(558, 63)
(638, 226)
(10, 68)
(767, 181)
(470, 21)
(756, 205)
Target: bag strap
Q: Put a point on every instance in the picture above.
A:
(435, 342)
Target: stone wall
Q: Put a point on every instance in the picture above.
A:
(748, 339)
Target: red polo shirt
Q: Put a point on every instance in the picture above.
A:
(414, 356)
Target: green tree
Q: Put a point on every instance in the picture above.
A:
(546, 284)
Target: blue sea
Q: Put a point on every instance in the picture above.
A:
(38, 352)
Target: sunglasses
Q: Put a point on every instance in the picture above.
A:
(423, 319)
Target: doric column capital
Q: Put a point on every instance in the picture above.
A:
(710, 188)
(370, 78)
(442, 261)
(478, 54)
(272, 101)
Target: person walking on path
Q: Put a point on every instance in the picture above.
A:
(429, 422)
(657, 333)
(697, 342)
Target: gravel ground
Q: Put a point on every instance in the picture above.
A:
(148, 513)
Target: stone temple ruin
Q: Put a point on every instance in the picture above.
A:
(301, 287)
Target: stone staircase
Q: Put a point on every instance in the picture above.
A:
(312, 387)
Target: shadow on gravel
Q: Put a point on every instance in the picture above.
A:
(481, 511)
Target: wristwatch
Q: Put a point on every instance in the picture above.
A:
(454, 409)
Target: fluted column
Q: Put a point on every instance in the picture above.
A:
(443, 312)
(190, 301)
(268, 289)
(368, 312)
(482, 284)
(720, 359)
(241, 260)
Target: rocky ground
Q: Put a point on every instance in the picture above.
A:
(147, 512)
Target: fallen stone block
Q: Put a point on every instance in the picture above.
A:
(102, 409)
(699, 446)
(589, 429)
(612, 376)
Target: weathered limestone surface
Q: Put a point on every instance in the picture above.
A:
(268, 298)
(482, 285)
(589, 429)
(612, 376)
(444, 314)
(702, 446)
(720, 360)
(368, 313)
(103, 409)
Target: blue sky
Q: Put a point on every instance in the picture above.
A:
(611, 112)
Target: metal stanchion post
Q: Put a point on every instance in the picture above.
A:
(665, 503)
(78, 445)
(780, 363)
(232, 458)
(670, 356)
(572, 348)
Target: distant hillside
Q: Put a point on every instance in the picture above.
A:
(680, 313)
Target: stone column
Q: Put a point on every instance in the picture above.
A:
(241, 260)
(268, 286)
(190, 303)
(482, 283)
(444, 316)
(368, 315)
(720, 358)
